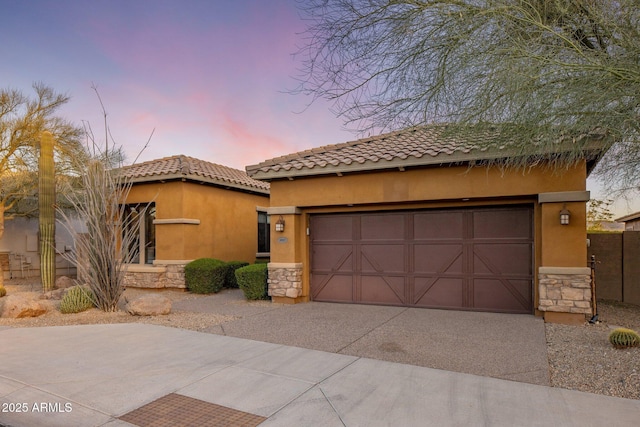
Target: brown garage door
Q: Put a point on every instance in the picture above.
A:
(470, 259)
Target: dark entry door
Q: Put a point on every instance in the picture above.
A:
(470, 259)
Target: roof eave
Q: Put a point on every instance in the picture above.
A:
(628, 218)
(198, 179)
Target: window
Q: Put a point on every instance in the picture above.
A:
(264, 232)
(138, 220)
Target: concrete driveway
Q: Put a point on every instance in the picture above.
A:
(506, 346)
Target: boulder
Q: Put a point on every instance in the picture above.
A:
(64, 282)
(57, 294)
(149, 305)
(17, 306)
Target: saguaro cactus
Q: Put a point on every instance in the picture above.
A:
(46, 204)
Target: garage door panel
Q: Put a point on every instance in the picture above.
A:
(332, 287)
(383, 227)
(439, 292)
(332, 258)
(333, 228)
(502, 259)
(438, 225)
(382, 290)
(505, 223)
(437, 258)
(509, 295)
(382, 259)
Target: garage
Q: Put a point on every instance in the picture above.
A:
(422, 217)
(477, 259)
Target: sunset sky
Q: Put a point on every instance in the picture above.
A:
(210, 78)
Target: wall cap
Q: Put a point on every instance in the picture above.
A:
(284, 265)
(564, 196)
(140, 268)
(160, 262)
(564, 270)
(284, 210)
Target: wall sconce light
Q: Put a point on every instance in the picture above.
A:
(280, 224)
(565, 215)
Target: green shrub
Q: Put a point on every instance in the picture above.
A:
(77, 299)
(252, 279)
(232, 266)
(3, 291)
(623, 338)
(205, 275)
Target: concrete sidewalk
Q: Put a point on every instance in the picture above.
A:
(98, 375)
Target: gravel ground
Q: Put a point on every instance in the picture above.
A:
(53, 317)
(580, 357)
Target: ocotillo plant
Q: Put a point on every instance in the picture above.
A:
(46, 205)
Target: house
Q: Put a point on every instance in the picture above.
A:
(630, 222)
(403, 219)
(193, 209)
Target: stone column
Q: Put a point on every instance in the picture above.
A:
(286, 266)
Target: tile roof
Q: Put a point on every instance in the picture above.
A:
(630, 217)
(185, 167)
(418, 146)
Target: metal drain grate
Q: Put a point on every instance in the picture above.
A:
(174, 410)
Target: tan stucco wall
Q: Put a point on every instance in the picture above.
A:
(554, 245)
(442, 183)
(228, 226)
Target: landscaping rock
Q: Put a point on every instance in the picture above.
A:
(64, 282)
(18, 306)
(149, 305)
(57, 294)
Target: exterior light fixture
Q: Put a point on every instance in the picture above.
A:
(565, 215)
(280, 224)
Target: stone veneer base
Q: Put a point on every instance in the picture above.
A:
(564, 290)
(160, 276)
(285, 280)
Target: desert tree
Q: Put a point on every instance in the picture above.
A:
(543, 70)
(22, 120)
(102, 249)
(598, 212)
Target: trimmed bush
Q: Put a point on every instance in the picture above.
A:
(3, 291)
(252, 279)
(623, 338)
(205, 275)
(77, 299)
(232, 266)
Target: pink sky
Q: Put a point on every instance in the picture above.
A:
(208, 77)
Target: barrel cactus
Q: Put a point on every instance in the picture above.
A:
(624, 338)
(77, 299)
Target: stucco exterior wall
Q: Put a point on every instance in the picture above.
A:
(208, 221)
(435, 183)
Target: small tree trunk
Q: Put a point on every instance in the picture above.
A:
(1, 234)
(46, 204)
